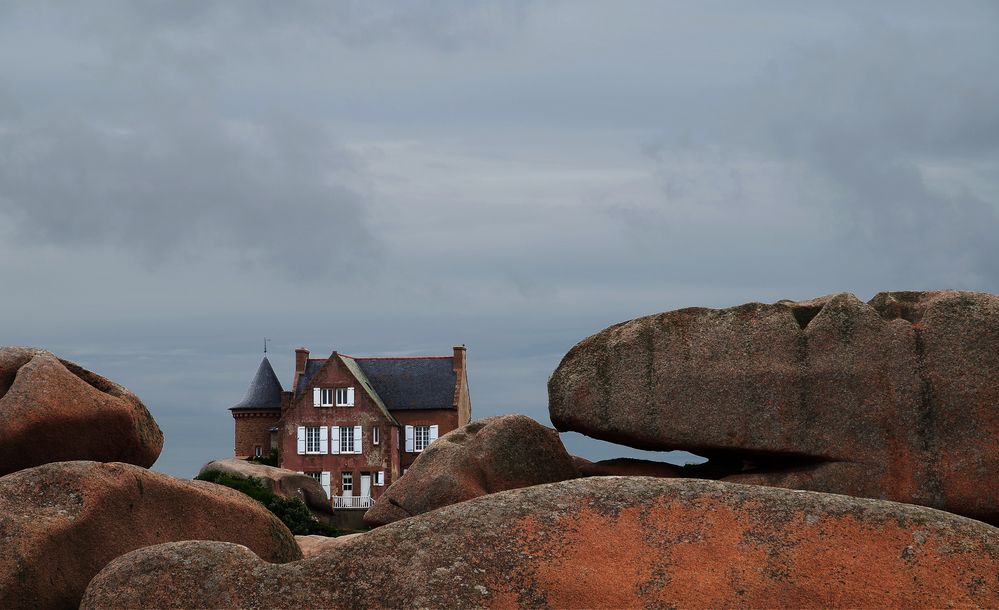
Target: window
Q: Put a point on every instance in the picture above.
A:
(345, 397)
(421, 437)
(347, 483)
(317, 475)
(257, 451)
(380, 478)
(326, 397)
(346, 439)
(375, 435)
(312, 444)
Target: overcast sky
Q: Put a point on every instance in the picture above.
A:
(179, 180)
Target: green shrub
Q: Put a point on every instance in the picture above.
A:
(271, 459)
(291, 511)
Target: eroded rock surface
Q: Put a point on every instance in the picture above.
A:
(607, 542)
(485, 456)
(317, 545)
(897, 398)
(282, 482)
(53, 410)
(61, 523)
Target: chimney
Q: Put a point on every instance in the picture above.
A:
(459, 359)
(301, 357)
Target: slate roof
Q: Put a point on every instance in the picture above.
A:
(264, 391)
(402, 384)
(412, 383)
(312, 367)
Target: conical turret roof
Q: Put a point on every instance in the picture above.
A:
(264, 391)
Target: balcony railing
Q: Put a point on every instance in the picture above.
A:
(352, 502)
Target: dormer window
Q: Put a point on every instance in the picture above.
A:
(345, 397)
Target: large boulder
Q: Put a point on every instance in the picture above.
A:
(483, 457)
(281, 482)
(618, 542)
(53, 410)
(897, 398)
(60, 523)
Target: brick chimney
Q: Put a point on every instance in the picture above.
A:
(459, 359)
(301, 357)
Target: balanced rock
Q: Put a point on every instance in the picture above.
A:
(611, 542)
(897, 398)
(53, 410)
(60, 523)
(483, 457)
(281, 482)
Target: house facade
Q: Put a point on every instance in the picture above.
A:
(355, 424)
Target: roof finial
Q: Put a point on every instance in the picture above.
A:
(265, 344)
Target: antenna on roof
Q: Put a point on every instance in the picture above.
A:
(265, 344)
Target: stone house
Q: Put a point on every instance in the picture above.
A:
(355, 424)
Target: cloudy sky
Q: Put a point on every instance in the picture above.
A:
(179, 180)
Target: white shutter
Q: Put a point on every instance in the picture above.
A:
(380, 478)
(335, 440)
(301, 440)
(316, 399)
(350, 397)
(324, 440)
(409, 439)
(357, 440)
(325, 481)
(433, 434)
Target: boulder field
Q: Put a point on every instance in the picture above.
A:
(483, 457)
(53, 410)
(60, 523)
(897, 398)
(599, 542)
(281, 482)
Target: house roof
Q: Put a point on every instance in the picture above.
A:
(401, 384)
(351, 364)
(412, 383)
(264, 391)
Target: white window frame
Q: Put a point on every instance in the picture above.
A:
(346, 483)
(345, 397)
(313, 440)
(421, 438)
(325, 397)
(347, 441)
(375, 435)
(315, 474)
(380, 478)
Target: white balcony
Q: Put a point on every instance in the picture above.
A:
(352, 502)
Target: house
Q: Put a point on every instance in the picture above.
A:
(355, 424)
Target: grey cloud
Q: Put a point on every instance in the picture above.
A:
(262, 194)
(822, 164)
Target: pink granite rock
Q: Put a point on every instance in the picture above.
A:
(897, 398)
(53, 410)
